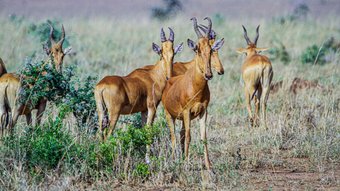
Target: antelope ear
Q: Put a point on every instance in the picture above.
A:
(261, 49)
(179, 48)
(156, 48)
(68, 50)
(241, 50)
(218, 44)
(192, 45)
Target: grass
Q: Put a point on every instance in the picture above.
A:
(302, 138)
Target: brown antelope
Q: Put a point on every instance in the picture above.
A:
(10, 86)
(187, 96)
(139, 91)
(257, 74)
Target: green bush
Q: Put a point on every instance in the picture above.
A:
(313, 54)
(80, 99)
(44, 147)
(318, 54)
(40, 79)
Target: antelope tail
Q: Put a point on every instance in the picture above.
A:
(101, 107)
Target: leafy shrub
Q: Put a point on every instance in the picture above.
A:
(141, 170)
(80, 99)
(172, 7)
(40, 79)
(318, 55)
(44, 147)
(134, 120)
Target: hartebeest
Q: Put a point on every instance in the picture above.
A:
(139, 91)
(10, 86)
(187, 96)
(181, 67)
(257, 74)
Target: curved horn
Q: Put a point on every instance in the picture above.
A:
(172, 35)
(245, 35)
(204, 28)
(257, 35)
(163, 38)
(51, 33)
(198, 33)
(62, 35)
(209, 26)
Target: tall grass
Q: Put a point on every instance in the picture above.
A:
(303, 127)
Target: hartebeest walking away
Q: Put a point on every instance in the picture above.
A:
(11, 85)
(187, 96)
(257, 74)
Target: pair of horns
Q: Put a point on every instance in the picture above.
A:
(247, 38)
(61, 41)
(207, 31)
(171, 36)
(212, 34)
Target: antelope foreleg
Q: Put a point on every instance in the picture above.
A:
(171, 123)
(149, 121)
(186, 119)
(203, 130)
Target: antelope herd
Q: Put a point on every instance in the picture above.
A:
(182, 87)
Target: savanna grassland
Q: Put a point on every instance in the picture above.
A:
(299, 151)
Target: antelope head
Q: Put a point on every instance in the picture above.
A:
(215, 59)
(204, 49)
(56, 49)
(251, 46)
(167, 52)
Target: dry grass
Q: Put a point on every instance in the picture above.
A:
(299, 150)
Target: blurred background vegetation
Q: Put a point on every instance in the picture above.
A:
(113, 39)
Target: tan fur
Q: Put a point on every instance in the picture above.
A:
(187, 96)
(10, 86)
